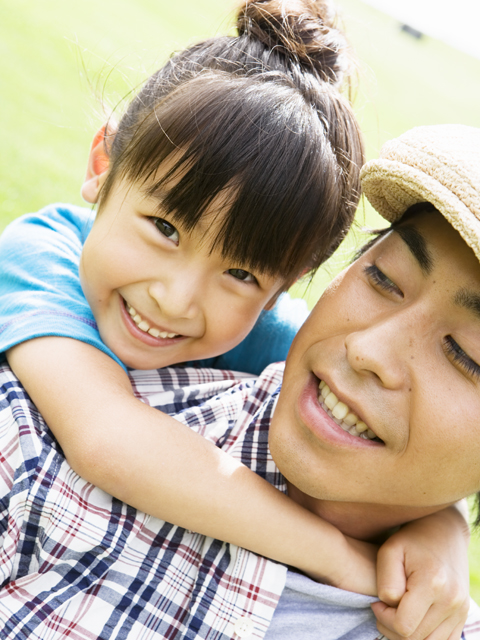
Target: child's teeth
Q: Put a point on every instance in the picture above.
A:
(144, 326)
(342, 415)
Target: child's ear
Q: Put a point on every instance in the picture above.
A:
(98, 164)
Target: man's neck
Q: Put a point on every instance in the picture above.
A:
(363, 521)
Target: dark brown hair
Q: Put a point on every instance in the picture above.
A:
(258, 117)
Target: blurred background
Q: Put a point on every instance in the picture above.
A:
(66, 64)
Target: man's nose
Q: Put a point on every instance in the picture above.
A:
(381, 351)
(177, 295)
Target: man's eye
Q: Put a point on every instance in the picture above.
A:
(460, 358)
(167, 229)
(381, 280)
(241, 274)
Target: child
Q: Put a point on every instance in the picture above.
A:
(233, 172)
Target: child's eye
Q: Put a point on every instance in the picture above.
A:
(167, 229)
(241, 274)
(381, 280)
(459, 357)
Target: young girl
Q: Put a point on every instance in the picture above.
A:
(234, 171)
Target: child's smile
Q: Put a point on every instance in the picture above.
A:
(143, 325)
(161, 295)
(142, 330)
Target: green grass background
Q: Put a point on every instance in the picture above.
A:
(66, 63)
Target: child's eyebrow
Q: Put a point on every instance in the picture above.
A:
(156, 199)
(156, 195)
(418, 247)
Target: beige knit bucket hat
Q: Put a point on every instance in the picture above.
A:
(438, 164)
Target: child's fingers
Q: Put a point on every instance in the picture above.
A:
(440, 622)
(391, 579)
(387, 624)
(430, 600)
(442, 632)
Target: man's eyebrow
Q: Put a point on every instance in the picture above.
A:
(418, 247)
(468, 300)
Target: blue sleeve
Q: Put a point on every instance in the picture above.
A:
(268, 341)
(40, 291)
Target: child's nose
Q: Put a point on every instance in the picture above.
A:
(177, 297)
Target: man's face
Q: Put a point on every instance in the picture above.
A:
(396, 337)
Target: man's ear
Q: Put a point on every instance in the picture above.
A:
(98, 165)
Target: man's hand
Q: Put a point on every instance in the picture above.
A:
(423, 581)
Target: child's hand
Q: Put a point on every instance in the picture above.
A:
(423, 581)
(353, 566)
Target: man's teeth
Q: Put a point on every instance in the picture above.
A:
(144, 326)
(342, 415)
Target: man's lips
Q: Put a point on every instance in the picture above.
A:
(320, 420)
(342, 414)
(142, 330)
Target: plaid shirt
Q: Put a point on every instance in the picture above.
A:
(76, 563)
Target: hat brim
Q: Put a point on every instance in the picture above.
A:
(392, 187)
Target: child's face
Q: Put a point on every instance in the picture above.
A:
(158, 294)
(397, 340)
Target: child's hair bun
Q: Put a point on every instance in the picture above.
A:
(302, 29)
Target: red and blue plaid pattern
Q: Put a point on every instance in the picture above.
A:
(76, 563)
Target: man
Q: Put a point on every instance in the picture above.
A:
(380, 387)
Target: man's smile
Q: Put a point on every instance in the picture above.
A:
(318, 417)
(343, 416)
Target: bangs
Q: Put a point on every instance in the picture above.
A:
(263, 149)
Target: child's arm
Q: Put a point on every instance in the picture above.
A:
(422, 576)
(158, 465)
(167, 470)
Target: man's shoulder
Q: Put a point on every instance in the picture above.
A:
(174, 389)
(230, 409)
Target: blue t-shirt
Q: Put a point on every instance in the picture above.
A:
(41, 295)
